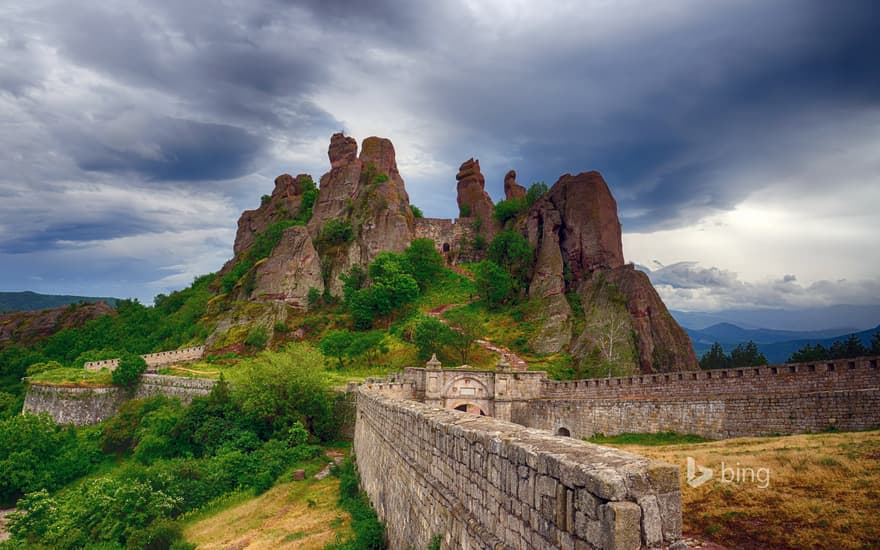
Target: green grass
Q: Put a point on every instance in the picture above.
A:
(449, 288)
(70, 376)
(648, 439)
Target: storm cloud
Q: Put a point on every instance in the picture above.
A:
(134, 133)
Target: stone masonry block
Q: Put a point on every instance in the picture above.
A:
(622, 525)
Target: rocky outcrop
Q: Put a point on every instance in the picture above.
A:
(291, 270)
(513, 190)
(368, 193)
(576, 232)
(283, 203)
(473, 200)
(28, 327)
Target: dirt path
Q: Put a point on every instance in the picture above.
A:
(4, 534)
(516, 362)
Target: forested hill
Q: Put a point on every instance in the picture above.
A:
(31, 301)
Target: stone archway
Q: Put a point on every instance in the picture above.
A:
(470, 408)
(469, 391)
(563, 432)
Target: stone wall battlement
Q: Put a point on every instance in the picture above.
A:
(153, 360)
(479, 482)
(797, 378)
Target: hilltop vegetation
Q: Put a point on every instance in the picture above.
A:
(30, 301)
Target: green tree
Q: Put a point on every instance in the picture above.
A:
(535, 192)
(417, 212)
(425, 263)
(809, 353)
(494, 283)
(431, 335)
(336, 343)
(129, 370)
(715, 358)
(849, 348)
(467, 328)
(511, 250)
(280, 388)
(509, 209)
(746, 354)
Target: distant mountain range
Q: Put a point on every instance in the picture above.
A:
(842, 317)
(776, 345)
(30, 301)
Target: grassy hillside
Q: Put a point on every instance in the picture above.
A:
(822, 489)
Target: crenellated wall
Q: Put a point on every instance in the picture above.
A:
(480, 482)
(776, 399)
(153, 360)
(90, 405)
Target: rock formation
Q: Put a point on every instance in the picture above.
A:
(586, 292)
(473, 200)
(27, 327)
(576, 233)
(513, 190)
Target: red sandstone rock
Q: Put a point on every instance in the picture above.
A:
(28, 327)
(284, 201)
(589, 234)
(342, 150)
(290, 271)
(473, 201)
(513, 190)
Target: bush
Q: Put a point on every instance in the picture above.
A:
(417, 212)
(369, 532)
(423, 260)
(336, 232)
(129, 370)
(510, 209)
(513, 251)
(535, 192)
(494, 284)
(257, 338)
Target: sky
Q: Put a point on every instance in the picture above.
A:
(740, 138)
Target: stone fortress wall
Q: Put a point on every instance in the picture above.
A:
(504, 480)
(89, 405)
(154, 360)
(480, 482)
(453, 238)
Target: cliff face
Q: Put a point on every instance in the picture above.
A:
(576, 234)
(27, 327)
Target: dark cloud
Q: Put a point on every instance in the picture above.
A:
(686, 107)
(176, 150)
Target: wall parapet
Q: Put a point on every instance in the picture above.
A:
(153, 360)
(480, 482)
(813, 376)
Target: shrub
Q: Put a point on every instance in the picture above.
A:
(535, 192)
(417, 212)
(424, 262)
(336, 232)
(513, 251)
(129, 370)
(510, 209)
(257, 338)
(494, 284)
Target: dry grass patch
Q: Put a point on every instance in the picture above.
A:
(299, 514)
(823, 491)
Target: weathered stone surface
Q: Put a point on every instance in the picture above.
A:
(28, 327)
(290, 271)
(283, 203)
(553, 320)
(486, 483)
(513, 190)
(473, 200)
(342, 150)
(589, 231)
(662, 345)
(83, 406)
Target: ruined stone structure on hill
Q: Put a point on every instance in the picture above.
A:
(514, 473)
(89, 405)
(153, 360)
